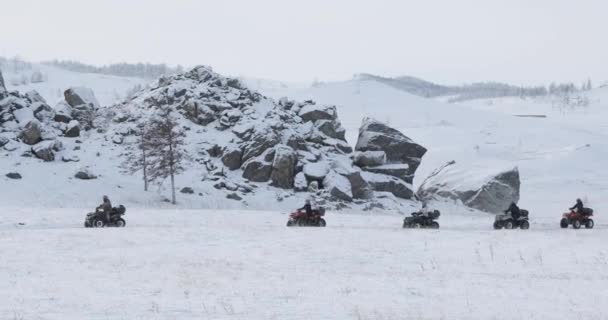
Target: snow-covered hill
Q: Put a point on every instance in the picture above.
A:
(53, 81)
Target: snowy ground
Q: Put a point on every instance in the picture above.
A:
(248, 265)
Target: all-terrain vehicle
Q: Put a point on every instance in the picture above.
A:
(577, 219)
(301, 219)
(508, 222)
(97, 219)
(418, 220)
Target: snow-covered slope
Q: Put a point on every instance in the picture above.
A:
(560, 158)
(108, 89)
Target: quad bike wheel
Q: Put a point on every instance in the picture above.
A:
(497, 225)
(99, 223)
(416, 225)
(576, 224)
(121, 223)
(405, 225)
(434, 225)
(509, 225)
(322, 223)
(589, 224)
(290, 223)
(564, 223)
(525, 225)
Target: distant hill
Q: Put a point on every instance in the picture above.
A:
(479, 90)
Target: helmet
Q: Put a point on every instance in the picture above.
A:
(307, 201)
(578, 200)
(105, 198)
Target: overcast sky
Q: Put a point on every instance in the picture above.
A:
(449, 41)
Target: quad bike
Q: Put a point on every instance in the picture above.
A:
(97, 219)
(508, 222)
(577, 219)
(301, 219)
(420, 221)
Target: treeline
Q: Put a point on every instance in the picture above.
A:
(139, 70)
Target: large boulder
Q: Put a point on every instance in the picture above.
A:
(339, 187)
(283, 167)
(377, 136)
(76, 97)
(45, 150)
(384, 183)
(257, 170)
(331, 128)
(232, 157)
(484, 189)
(313, 112)
(63, 112)
(316, 171)
(32, 132)
(398, 170)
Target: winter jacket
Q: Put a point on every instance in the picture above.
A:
(106, 206)
(308, 208)
(578, 206)
(514, 210)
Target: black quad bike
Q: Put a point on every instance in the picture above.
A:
(97, 219)
(508, 222)
(420, 221)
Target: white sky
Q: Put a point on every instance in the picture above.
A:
(449, 41)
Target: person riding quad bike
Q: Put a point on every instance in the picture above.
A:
(424, 218)
(307, 208)
(578, 207)
(106, 207)
(307, 216)
(578, 216)
(513, 218)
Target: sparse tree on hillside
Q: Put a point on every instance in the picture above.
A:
(139, 160)
(165, 156)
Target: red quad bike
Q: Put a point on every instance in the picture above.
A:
(577, 219)
(301, 219)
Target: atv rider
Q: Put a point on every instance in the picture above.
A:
(578, 207)
(514, 211)
(424, 211)
(106, 207)
(308, 208)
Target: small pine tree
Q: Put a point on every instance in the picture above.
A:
(165, 157)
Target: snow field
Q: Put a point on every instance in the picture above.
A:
(188, 264)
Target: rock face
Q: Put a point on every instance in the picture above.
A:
(283, 167)
(487, 190)
(399, 149)
(257, 170)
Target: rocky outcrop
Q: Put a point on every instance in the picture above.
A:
(486, 190)
(399, 149)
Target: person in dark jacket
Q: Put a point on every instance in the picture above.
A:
(578, 207)
(308, 208)
(106, 207)
(514, 211)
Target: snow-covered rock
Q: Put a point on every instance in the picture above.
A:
(300, 182)
(32, 132)
(399, 149)
(316, 171)
(490, 190)
(257, 169)
(384, 183)
(73, 129)
(231, 157)
(85, 174)
(339, 187)
(314, 112)
(45, 150)
(76, 97)
(14, 175)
